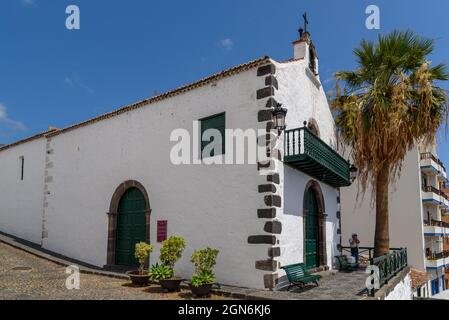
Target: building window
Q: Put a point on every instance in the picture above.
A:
(424, 180)
(312, 57)
(22, 166)
(217, 122)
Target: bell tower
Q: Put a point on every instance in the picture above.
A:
(303, 48)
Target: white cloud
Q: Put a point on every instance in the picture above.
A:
(28, 3)
(227, 44)
(75, 81)
(68, 81)
(9, 124)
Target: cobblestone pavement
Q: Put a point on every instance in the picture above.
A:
(341, 286)
(46, 281)
(332, 286)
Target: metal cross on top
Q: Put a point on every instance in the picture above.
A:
(306, 22)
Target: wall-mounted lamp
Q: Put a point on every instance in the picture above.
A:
(279, 115)
(353, 172)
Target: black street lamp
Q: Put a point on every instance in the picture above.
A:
(279, 115)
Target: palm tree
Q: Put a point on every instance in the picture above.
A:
(390, 102)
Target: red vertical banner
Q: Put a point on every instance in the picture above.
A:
(162, 230)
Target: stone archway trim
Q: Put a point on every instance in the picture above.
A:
(112, 216)
(322, 217)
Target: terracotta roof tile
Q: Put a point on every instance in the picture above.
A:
(197, 84)
(34, 137)
(163, 96)
(419, 278)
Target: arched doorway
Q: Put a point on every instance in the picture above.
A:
(315, 255)
(128, 223)
(130, 226)
(311, 229)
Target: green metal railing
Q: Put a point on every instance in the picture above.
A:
(390, 265)
(302, 145)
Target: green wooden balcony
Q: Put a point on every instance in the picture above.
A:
(308, 153)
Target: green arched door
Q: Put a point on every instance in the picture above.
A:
(311, 229)
(131, 225)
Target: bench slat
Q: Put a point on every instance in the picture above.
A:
(298, 273)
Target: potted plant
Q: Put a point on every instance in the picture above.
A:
(171, 252)
(203, 279)
(142, 252)
(160, 272)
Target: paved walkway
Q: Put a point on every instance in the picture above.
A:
(333, 286)
(24, 276)
(28, 272)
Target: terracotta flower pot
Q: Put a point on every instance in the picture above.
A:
(201, 291)
(138, 279)
(171, 285)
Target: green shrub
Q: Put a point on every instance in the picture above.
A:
(205, 277)
(204, 261)
(160, 272)
(171, 251)
(142, 252)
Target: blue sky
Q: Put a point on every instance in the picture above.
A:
(129, 50)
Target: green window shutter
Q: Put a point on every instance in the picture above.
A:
(217, 122)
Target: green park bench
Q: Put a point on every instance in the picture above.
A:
(298, 275)
(345, 265)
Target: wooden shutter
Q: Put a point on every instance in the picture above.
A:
(217, 122)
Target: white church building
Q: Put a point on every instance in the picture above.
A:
(92, 190)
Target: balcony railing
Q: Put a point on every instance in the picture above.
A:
(437, 256)
(308, 153)
(436, 191)
(435, 223)
(389, 265)
(431, 156)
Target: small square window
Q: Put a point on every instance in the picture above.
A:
(217, 122)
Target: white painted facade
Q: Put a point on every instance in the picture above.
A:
(308, 102)
(402, 291)
(22, 200)
(292, 218)
(70, 177)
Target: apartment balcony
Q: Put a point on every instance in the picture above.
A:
(437, 260)
(436, 229)
(311, 155)
(434, 196)
(445, 211)
(430, 164)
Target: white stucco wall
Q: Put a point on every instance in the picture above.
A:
(403, 290)
(299, 93)
(21, 201)
(406, 217)
(212, 206)
(292, 238)
(305, 100)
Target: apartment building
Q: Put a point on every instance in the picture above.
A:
(419, 220)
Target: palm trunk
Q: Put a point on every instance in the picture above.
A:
(382, 234)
